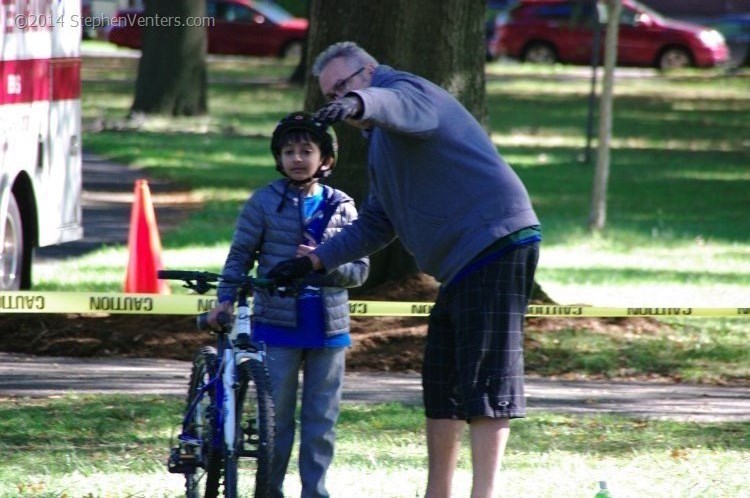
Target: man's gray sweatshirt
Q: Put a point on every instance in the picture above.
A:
(436, 180)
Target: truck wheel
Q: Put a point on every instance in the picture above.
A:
(12, 250)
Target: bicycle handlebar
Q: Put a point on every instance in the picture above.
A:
(201, 282)
(187, 275)
(208, 277)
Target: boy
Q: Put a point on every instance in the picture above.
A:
(288, 218)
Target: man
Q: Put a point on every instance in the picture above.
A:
(438, 183)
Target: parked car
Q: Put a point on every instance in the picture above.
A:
(496, 12)
(736, 31)
(549, 31)
(239, 27)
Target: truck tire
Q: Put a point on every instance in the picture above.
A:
(12, 255)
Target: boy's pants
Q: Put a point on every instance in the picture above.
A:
(322, 380)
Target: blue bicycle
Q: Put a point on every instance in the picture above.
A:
(228, 427)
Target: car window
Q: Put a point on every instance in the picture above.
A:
(272, 12)
(572, 13)
(629, 17)
(239, 13)
(560, 12)
(585, 14)
(229, 12)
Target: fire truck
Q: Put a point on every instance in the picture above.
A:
(40, 132)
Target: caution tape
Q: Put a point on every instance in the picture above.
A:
(159, 304)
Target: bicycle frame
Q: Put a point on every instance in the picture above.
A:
(225, 391)
(231, 423)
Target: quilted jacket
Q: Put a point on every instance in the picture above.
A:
(268, 230)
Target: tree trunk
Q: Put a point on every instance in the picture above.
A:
(298, 75)
(450, 53)
(598, 213)
(172, 69)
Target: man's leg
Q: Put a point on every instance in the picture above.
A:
(443, 444)
(488, 440)
(489, 316)
(443, 425)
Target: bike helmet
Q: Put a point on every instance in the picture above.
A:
(304, 122)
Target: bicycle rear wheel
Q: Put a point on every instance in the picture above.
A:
(255, 427)
(203, 482)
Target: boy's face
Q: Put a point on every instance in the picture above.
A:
(301, 160)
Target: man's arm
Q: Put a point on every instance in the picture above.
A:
(365, 235)
(404, 107)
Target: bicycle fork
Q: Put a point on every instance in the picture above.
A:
(229, 384)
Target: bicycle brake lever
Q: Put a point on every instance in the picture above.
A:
(199, 286)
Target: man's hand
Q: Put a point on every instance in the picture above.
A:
(339, 110)
(290, 269)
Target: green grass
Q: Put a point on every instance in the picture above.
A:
(689, 349)
(676, 231)
(677, 235)
(116, 446)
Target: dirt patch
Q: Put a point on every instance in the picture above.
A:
(379, 343)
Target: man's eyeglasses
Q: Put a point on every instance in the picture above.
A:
(341, 85)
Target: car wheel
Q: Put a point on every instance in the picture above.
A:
(12, 249)
(675, 58)
(539, 53)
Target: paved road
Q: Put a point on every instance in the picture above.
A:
(107, 200)
(22, 375)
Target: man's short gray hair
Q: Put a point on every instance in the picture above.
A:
(353, 53)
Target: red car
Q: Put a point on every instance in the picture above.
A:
(238, 27)
(549, 31)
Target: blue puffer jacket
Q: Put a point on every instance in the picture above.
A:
(268, 231)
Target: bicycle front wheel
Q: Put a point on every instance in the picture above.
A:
(203, 480)
(255, 428)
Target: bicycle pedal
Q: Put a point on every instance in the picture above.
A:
(181, 462)
(186, 440)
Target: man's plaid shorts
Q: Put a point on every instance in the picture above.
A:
(473, 362)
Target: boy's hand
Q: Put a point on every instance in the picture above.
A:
(225, 307)
(291, 269)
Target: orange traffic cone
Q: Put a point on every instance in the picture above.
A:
(144, 246)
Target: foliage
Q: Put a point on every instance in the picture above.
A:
(676, 234)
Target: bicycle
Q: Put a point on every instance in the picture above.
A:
(229, 414)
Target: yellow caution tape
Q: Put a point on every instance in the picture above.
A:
(158, 304)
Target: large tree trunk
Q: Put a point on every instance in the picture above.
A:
(172, 69)
(441, 41)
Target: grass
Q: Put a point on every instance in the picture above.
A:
(676, 236)
(116, 446)
(676, 233)
(689, 349)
